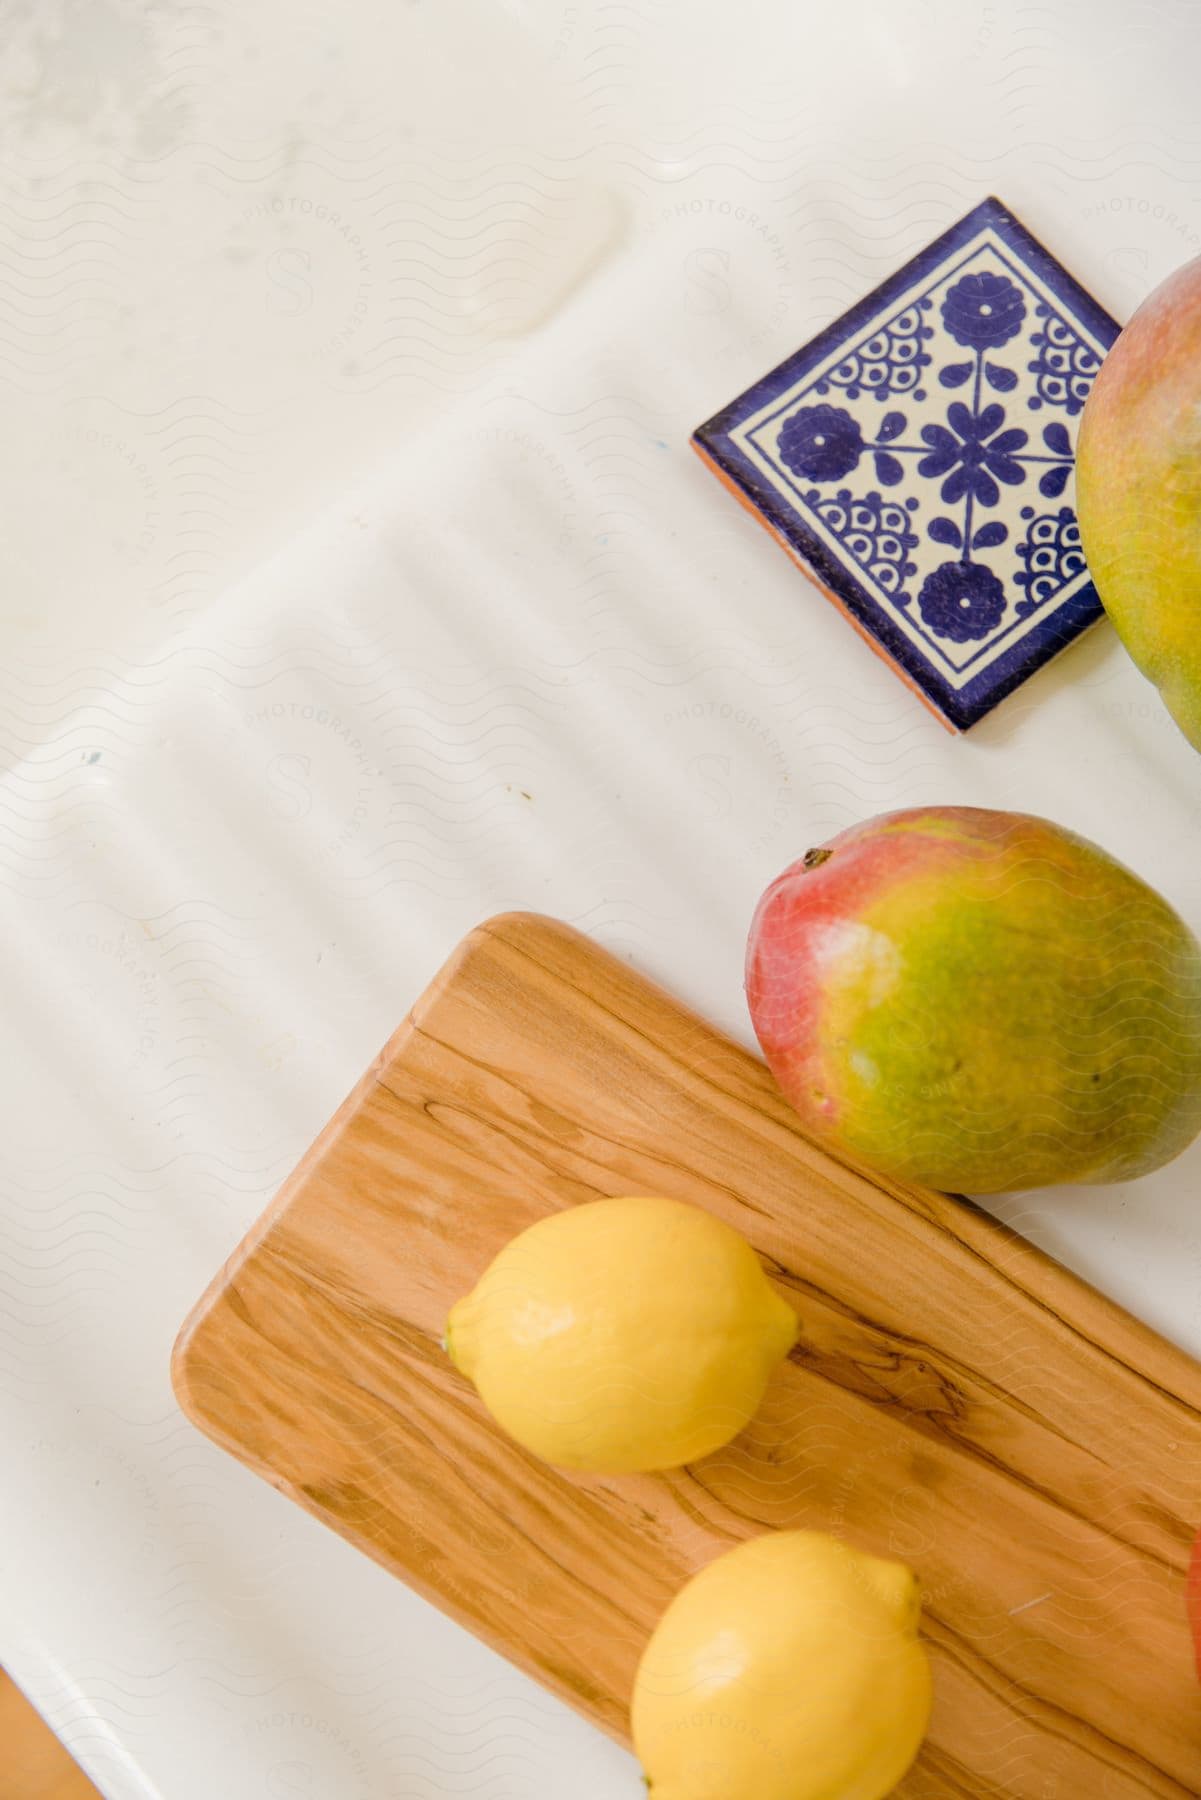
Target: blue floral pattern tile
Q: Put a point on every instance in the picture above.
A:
(919, 455)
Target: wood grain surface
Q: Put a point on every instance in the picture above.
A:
(33, 1764)
(957, 1399)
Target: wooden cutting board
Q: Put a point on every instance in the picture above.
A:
(957, 1399)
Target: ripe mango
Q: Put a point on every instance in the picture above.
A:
(979, 1001)
(1138, 491)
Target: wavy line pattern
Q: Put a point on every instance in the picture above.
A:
(539, 661)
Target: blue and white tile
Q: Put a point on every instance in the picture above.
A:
(919, 457)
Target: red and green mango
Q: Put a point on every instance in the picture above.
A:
(979, 1001)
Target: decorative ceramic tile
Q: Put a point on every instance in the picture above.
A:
(918, 459)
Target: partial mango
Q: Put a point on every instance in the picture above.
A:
(1138, 491)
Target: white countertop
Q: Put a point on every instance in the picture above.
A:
(364, 585)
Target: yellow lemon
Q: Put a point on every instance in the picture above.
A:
(623, 1334)
(789, 1669)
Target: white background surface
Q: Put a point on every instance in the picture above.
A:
(510, 646)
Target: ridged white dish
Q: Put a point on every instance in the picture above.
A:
(517, 649)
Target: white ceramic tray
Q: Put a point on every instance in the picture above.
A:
(518, 650)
